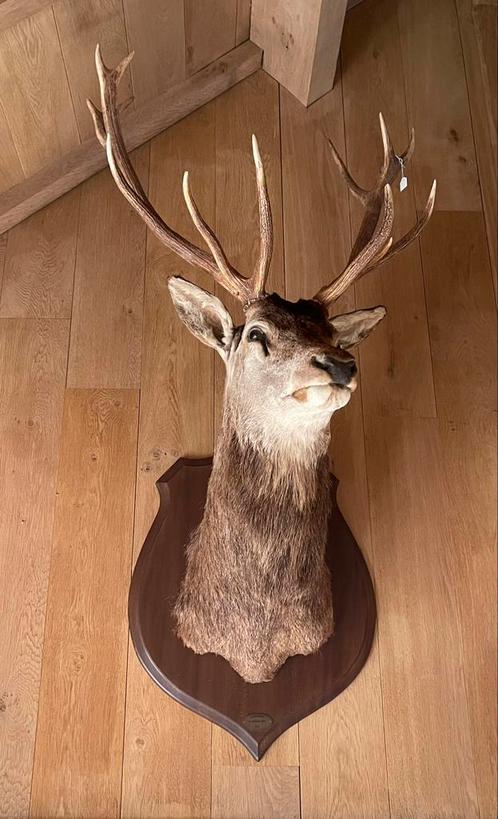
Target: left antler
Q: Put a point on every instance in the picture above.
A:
(374, 244)
(108, 131)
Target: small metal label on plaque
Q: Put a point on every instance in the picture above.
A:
(258, 722)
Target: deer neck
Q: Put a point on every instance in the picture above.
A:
(288, 471)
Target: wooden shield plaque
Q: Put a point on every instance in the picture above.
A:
(256, 714)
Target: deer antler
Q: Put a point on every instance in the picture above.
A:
(108, 132)
(374, 245)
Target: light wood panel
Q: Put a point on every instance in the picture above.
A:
(478, 32)
(47, 52)
(463, 329)
(300, 40)
(79, 741)
(3, 249)
(156, 32)
(343, 766)
(34, 91)
(39, 264)
(167, 750)
(12, 11)
(32, 373)
(150, 119)
(81, 26)
(438, 105)
(210, 31)
(402, 340)
(249, 793)
(11, 171)
(243, 21)
(106, 330)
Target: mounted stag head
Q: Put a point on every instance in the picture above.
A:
(257, 589)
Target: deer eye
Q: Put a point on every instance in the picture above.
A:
(257, 334)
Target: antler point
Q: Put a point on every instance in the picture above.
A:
(255, 152)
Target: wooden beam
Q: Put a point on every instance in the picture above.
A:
(149, 120)
(301, 41)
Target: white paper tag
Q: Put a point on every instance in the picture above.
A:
(403, 182)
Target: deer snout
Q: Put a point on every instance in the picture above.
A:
(341, 368)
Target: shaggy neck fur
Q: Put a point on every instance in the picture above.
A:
(257, 588)
(274, 468)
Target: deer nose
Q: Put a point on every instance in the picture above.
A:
(341, 370)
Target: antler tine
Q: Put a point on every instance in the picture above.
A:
(108, 132)
(375, 248)
(392, 162)
(258, 281)
(368, 251)
(410, 236)
(108, 120)
(353, 186)
(98, 122)
(228, 277)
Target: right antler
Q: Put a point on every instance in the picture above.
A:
(108, 131)
(374, 244)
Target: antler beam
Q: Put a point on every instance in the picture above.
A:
(108, 132)
(374, 245)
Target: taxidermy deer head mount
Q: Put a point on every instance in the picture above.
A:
(289, 368)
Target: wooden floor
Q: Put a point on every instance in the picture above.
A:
(102, 390)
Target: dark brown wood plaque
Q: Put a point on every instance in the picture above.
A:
(256, 714)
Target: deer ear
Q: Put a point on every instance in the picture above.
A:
(351, 328)
(204, 314)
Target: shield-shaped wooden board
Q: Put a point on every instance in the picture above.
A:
(254, 713)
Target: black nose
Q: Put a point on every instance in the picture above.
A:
(340, 368)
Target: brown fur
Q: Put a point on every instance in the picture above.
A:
(257, 589)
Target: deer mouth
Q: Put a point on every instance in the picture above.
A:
(318, 395)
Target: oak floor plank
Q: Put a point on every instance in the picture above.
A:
(371, 56)
(438, 105)
(346, 735)
(34, 92)
(249, 793)
(106, 329)
(79, 741)
(167, 750)
(250, 106)
(80, 27)
(478, 32)
(427, 727)
(40, 261)
(33, 358)
(462, 317)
